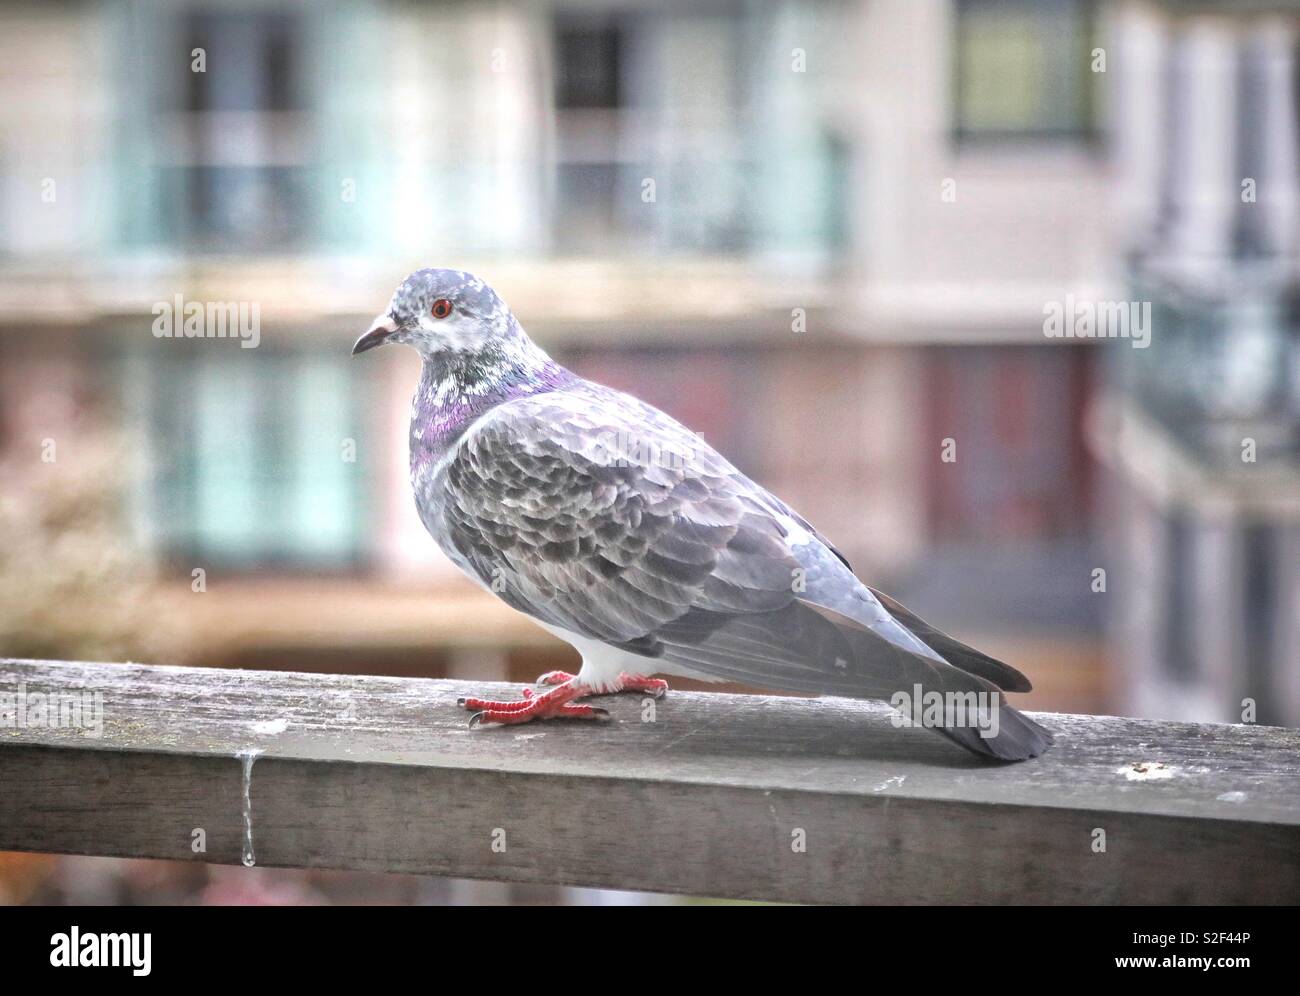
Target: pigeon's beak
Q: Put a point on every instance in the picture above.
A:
(376, 335)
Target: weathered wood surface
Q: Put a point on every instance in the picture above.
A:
(709, 798)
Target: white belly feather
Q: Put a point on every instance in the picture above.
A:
(602, 664)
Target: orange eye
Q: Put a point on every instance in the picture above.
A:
(441, 308)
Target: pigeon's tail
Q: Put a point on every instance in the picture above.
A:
(1018, 737)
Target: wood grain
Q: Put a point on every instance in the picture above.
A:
(709, 798)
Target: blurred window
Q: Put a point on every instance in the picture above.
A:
(651, 146)
(252, 464)
(587, 65)
(1022, 471)
(1023, 68)
(595, 170)
(240, 132)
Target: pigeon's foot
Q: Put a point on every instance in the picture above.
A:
(558, 702)
(626, 683)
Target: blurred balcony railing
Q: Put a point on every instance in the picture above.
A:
(1223, 365)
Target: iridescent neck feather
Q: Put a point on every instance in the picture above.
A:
(456, 388)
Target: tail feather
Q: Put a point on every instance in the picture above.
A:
(1018, 739)
(954, 651)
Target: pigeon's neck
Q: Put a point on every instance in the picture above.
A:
(457, 388)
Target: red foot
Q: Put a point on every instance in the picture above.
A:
(635, 683)
(558, 702)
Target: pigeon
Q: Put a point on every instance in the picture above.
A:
(623, 533)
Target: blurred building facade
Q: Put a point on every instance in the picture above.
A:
(821, 234)
(1203, 428)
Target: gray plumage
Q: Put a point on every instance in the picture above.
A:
(611, 523)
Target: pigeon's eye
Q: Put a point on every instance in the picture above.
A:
(441, 308)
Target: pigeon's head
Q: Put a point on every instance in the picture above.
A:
(440, 311)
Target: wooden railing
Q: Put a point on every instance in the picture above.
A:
(703, 794)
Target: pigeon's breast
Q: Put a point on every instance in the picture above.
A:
(434, 442)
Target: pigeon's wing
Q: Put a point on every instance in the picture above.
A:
(781, 508)
(601, 515)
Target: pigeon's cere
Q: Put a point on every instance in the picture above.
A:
(619, 530)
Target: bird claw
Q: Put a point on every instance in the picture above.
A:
(557, 702)
(654, 687)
